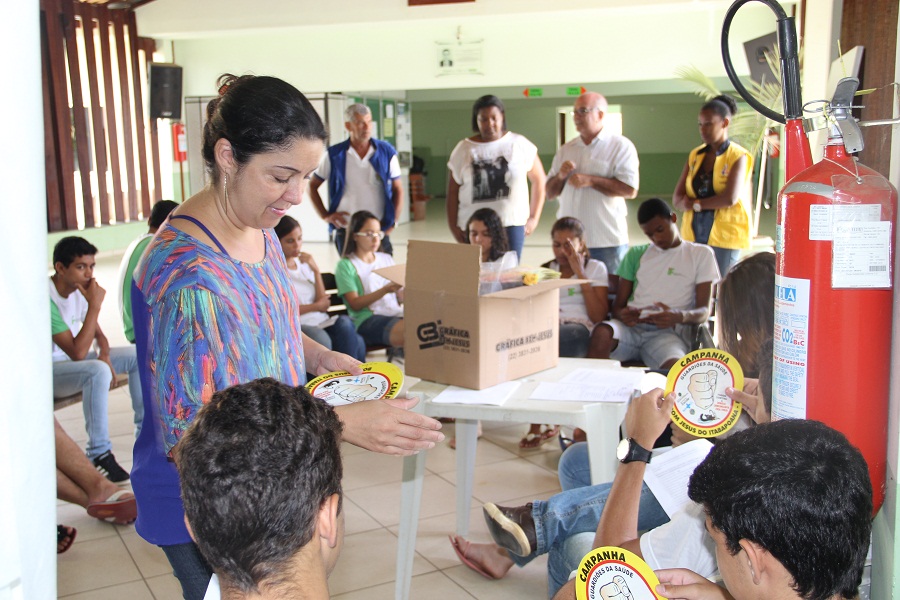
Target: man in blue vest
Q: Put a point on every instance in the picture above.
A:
(363, 174)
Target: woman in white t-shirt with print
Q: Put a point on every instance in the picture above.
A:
(335, 332)
(374, 303)
(492, 169)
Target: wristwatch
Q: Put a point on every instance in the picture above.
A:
(629, 451)
(697, 206)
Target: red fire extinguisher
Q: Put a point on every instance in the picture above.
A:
(179, 143)
(834, 279)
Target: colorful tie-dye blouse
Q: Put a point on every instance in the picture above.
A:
(214, 322)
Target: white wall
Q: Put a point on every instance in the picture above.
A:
(28, 496)
(529, 49)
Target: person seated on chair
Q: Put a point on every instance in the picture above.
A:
(335, 332)
(663, 286)
(374, 303)
(75, 301)
(261, 474)
(747, 485)
(132, 257)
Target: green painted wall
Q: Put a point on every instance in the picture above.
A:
(110, 238)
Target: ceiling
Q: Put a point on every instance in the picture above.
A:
(177, 19)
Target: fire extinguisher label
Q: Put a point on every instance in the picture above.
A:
(791, 364)
(824, 217)
(861, 255)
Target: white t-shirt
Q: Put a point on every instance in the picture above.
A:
(212, 590)
(571, 300)
(669, 276)
(493, 175)
(604, 217)
(387, 305)
(363, 189)
(304, 281)
(682, 542)
(73, 311)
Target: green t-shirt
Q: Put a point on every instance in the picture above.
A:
(57, 324)
(347, 279)
(127, 319)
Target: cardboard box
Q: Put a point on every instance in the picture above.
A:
(457, 337)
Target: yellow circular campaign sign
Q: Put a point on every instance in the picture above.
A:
(611, 573)
(699, 381)
(378, 380)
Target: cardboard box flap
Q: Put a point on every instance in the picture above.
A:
(395, 273)
(526, 291)
(453, 268)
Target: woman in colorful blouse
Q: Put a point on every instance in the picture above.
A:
(214, 306)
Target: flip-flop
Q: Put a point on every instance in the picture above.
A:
(65, 537)
(116, 509)
(532, 440)
(461, 553)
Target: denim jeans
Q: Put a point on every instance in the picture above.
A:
(610, 256)
(190, 568)
(577, 510)
(515, 234)
(574, 340)
(92, 377)
(725, 258)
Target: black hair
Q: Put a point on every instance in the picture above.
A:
(285, 226)
(71, 247)
(487, 102)
(798, 489)
(160, 212)
(357, 222)
(491, 220)
(576, 227)
(764, 364)
(745, 303)
(653, 207)
(257, 115)
(256, 465)
(724, 106)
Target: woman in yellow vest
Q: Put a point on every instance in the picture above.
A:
(714, 189)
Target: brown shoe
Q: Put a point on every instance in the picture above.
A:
(512, 528)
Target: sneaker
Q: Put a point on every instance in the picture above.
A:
(106, 464)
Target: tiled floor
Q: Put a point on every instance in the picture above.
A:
(110, 561)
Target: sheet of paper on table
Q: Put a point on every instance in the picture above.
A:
(668, 473)
(591, 385)
(495, 395)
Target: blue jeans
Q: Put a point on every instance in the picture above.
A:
(345, 339)
(341, 234)
(515, 234)
(190, 568)
(574, 340)
(610, 256)
(92, 377)
(725, 258)
(577, 510)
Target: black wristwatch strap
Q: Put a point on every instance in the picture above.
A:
(636, 452)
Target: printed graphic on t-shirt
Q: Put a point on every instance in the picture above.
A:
(491, 179)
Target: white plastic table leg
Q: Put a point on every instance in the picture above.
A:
(466, 443)
(602, 430)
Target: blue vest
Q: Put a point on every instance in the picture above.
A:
(381, 162)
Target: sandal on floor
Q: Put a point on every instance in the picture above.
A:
(565, 442)
(462, 554)
(65, 537)
(120, 508)
(532, 440)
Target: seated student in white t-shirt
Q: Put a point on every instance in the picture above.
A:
(374, 303)
(335, 332)
(662, 286)
(261, 474)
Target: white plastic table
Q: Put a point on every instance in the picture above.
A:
(600, 420)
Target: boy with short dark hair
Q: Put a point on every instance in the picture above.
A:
(663, 286)
(75, 301)
(261, 474)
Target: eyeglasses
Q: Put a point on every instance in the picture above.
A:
(374, 235)
(585, 111)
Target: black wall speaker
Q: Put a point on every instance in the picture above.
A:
(165, 91)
